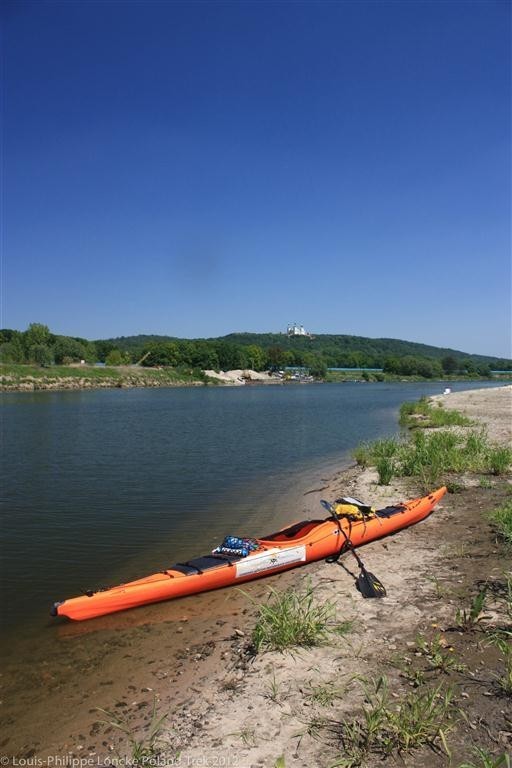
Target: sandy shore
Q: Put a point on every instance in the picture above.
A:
(490, 407)
(224, 706)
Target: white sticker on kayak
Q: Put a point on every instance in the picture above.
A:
(273, 558)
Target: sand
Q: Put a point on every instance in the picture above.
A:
(490, 407)
(240, 377)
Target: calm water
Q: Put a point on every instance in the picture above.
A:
(103, 486)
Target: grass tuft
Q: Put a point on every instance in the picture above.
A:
(424, 414)
(487, 760)
(430, 457)
(291, 618)
(501, 519)
(145, 748)
(383, 729)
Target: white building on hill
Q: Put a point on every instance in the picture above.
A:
(297, 330)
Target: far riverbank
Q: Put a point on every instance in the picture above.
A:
(31, 378)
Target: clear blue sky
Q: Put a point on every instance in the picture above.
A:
(199, 168)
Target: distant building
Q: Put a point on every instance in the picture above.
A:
(297, 330)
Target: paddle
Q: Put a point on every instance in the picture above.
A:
(367, 583)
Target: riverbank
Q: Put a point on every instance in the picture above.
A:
(31, 378)
(222, 704)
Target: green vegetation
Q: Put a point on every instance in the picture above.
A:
(439, 654)
(487, 760)
(37, 345)
(420, 717)
(325, 694)
(424, 414)
(430, 456)
(501, 519)
(144, 748)
(469, 620)
(291, 618)
(33, 377)
(503, 641)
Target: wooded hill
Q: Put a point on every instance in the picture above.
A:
(259, 351)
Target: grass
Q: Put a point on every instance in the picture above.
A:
(145, 748)
(96, 374)
(439, 654)
(383, 728)
(501, 519)
(503, 641)
(487, 760)
(467, 620)
(273, 691)
(430, 456)
(291, 618)
(325, 694)
(424, 414)
(386, 470)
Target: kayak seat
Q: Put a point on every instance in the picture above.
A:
(200, 564)
(294, 531)
(390, 511)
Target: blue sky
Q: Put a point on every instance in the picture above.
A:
(199, 168)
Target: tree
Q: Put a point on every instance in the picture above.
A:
(11, 351)
(41, 354)
(116, 357)
(316, 364)
(37, 333)
(276, 357)
(256, 357)
(161, 353)
(231, 356)
(450, 364)
(67, 349)
(102, 349)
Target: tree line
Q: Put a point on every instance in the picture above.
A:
(37, 345)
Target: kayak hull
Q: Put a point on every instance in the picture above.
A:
(294, 546)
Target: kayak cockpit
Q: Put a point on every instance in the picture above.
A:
(295, 531)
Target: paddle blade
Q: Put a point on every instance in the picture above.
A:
(369, 585)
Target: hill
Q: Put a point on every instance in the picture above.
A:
(342, 350)
(259, 351)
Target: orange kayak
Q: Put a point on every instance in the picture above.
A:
(296, 545)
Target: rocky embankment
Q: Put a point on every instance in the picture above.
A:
(93, 378)
(31, 380)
